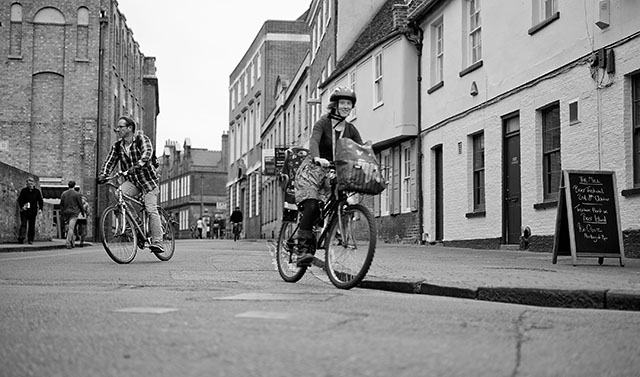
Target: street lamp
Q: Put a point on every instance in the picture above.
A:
(201, 189)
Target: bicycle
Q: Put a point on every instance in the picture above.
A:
(237, 229)
(124, 228)
(348, 237)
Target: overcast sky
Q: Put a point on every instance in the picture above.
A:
(197, 43)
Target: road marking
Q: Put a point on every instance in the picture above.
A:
(278, 297)
(147, 310)
(265, 315)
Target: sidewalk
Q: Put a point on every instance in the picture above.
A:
(506, 276)
(36, 246)
(517, 277)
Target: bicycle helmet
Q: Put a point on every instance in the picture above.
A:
(343, 92)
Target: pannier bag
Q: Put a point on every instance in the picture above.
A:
(292, 161)
(357, 168)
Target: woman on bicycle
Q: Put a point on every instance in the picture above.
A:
(312, 183)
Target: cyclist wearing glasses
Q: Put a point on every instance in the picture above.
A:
(134, 158)
(312, 183)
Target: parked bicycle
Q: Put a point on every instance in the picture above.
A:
(124, 227)
(347, 234)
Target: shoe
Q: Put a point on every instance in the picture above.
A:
(30, 242)
(156, 248)
(20, 241)
(304, 260)
(69, 247)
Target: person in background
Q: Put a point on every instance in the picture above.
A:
(236, 222)
(216, 227)
(81, 224)
(30, 202)
(200, 226)
(71, 207)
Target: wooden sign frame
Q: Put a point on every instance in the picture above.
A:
(565, 242)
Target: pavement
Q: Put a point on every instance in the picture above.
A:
(509, 276)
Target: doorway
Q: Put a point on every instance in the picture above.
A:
(512, 207)
(439, 192)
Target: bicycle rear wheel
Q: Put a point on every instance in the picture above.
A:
(350, 248)
(285, 258)
(168, 239)
(118, 235)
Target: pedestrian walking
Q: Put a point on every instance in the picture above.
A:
(30, 202)
(199, 225)
(71, 207)
(81, 224)
(216, 227)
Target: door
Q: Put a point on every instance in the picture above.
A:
(439, 192)
(512, 221)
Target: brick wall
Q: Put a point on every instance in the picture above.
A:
(12, 180)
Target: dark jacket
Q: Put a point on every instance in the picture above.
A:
(321, 143)
(236, 217)
(33, 197)
(71, 203)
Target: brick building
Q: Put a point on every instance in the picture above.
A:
(193, 183)
(276, 52)
(70, 69)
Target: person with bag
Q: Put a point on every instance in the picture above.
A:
(30, 202)
(81, 224)
(313, 181)
(71, 207)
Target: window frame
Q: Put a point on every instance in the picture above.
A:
(438, 51)
(478, 188)
(405, 199)
(378, 76)
(385, 196)
(635, 127)
(549, 152)
(475, 30)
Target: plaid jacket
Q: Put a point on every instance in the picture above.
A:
(144, 178)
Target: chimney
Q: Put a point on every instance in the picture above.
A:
(225, 151)
(400, 15)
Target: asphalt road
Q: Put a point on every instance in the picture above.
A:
(219, 308)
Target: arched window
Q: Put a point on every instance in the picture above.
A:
(82, 35)
(49, 15)
(15, 49)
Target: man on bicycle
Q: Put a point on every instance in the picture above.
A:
(134, 156)
(236, 220)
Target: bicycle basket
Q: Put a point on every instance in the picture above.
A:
(357, 168)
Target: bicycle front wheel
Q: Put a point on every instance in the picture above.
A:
(168, 240)
(285, 258)
(350, 247)
(118, 235)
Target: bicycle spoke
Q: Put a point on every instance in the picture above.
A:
(351, 247)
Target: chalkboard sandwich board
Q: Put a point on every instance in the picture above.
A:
(588, 219)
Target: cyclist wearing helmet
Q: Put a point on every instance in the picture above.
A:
(312, 184)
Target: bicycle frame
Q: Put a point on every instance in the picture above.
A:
(126, 202)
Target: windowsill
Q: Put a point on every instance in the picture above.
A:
(546, 205)
(631, 192)
(435, 87)
(15, 57)
(574, 123)
(82, 60)
(379, 104)
(471, 68)
(476, 214)
(542, 24)
(251, 101)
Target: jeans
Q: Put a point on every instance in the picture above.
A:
(27, 219)
(151, 204)
(71, 225)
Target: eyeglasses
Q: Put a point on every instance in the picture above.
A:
(117, 128)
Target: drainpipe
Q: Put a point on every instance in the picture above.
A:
(415, 34)
(98, 191)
